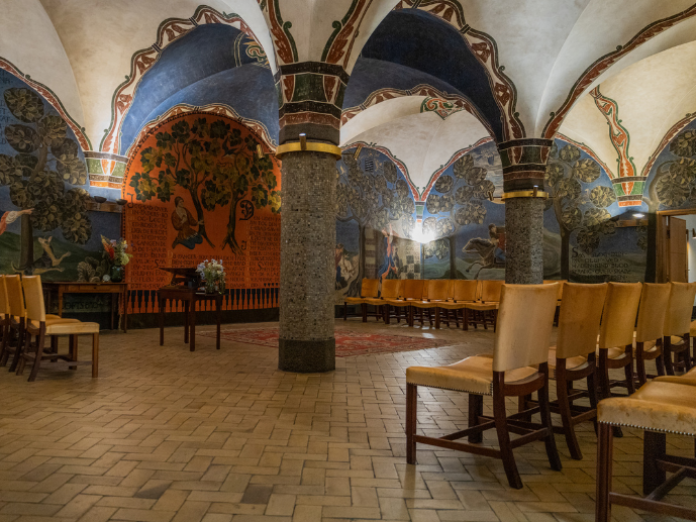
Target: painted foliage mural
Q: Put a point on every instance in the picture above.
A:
(375, 219)
(671, 182)
(201, 190)
(582, 239)
(45, 227)
(469, 228)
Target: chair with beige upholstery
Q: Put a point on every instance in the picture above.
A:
(390, 290)
(573, 358)
(38, 327)
(561, 284)
(677, 327)
(4, 316)
(411, 290)
(517, 367)
(654, 301)
(464, 292)
(659, 407)
(369, 289)
(486, 309)
(438, 291)
(616, 335)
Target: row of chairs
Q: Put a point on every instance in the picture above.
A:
(440, 300)
(600, 327)
(23, 318)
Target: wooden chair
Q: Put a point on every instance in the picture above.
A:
(616, 335)
(657, 408)
(15, 299)
(390, 290)
(38, 327)
(561, 284)
(654, 302)
(678, 327)
(464, 292)
(437, 291)
(486, 309)
(411, 290)
(369, 289)
(573, 359)
(4, 316)
(517, 367)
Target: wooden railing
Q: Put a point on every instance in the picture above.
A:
(146, 302)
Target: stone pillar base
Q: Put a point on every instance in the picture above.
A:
(307, 356)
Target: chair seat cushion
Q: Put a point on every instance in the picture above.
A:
(399, 302)
(427, 304)
(572, 363)
(55, 320)
(355, 300)
(657, 406)
(688, 378)
(472, 375)
(67, 328)
(375, 301)
(482, 307)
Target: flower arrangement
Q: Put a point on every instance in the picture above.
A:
(115, 251)
(213, 274)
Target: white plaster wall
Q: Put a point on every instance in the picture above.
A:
(379, 114)
(691, 246)
(29, 41)
(101, 36)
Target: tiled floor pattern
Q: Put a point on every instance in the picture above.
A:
(168, 435)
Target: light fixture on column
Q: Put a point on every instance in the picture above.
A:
(639, 215)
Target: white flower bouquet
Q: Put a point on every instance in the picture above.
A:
(213, 275)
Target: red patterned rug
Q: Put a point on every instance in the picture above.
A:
(348, 344)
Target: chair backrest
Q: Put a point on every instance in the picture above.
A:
(439, 289)
(33, 295)
(578, 321)
(561, 284)
(619, 316)
(654, 301)
(369, 288)
(15, 297)
(491, 290)
(390, 288)
(525, 320)
(465, 290)
(412, 288)
(681, 305)
(4, 305)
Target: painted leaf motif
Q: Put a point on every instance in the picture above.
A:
(10, 170)
(602, 196)
(24, 104)
(402, 188)
(444, 184)
(408, 224)
(259, 195)
(71, 168)
(568, 188)
(673, 190)
(596, 216)
(555, 172)
(470, 213)
(143, 186)
(588, 240)
(571, 218)
(481, 190)
(390, 173)
(464, 194)
(22, 138)
(569, 154)
(462, 166)
(274, 201)
(438, 248)
(586, 170)
(684, 144)
(430, 226)
(684, 168)
(444, 227)
(52, 129)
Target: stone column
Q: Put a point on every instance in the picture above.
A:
(307, 266)
(524, 168)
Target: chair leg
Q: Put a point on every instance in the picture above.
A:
(20, 346)
(545, 412)
(95, 355)
(501, 428)
(567, 416)
(604, 470)
(40, 339)
(687, 354)
(667, 354)
(660, 364)
(345, 311)
(73, 350)
(640, 364)
(628, 371)
(22, 361)
(364, 312)
(411, 416)
(475, 410)
(592, 392)
(5, 342)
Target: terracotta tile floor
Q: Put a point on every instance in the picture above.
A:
(165, 434)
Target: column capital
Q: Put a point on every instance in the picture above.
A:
(524, 163)
(310, 100)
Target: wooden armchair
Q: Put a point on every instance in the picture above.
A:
(411, 290)
(369, 289)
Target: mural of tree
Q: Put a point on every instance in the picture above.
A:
(460, 202)
(215, 165)
(674, 182)
(575, 209)
(39, 175)
(372, 199)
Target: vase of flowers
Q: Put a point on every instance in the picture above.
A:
(212, 273)
(115, 253)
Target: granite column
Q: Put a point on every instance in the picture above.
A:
(524, 170)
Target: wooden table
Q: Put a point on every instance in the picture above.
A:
(190, 298)
(115, 289)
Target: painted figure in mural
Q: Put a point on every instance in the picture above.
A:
(390, 267)
(12, 216)
(491, 251)
(183, 222)
(345, 267)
